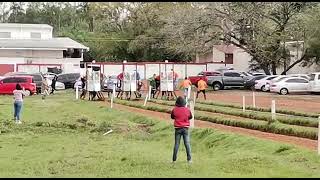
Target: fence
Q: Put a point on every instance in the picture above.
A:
(147, 69)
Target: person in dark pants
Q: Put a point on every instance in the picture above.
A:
(83, 86)
(181, 116)
(53, 84)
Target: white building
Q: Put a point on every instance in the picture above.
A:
(31, 48)
(232, 56)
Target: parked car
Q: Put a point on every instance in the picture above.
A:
(37, 78)
(250, 82)
(204, 74)
(290, 85)
(261, 83)
(8, 84)
(68, 79)
(281, 77)
(246, 73)
(314, 83)
(227, 79)
(257, 73)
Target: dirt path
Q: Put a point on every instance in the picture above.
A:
(301, 142)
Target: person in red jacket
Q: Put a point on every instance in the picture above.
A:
(181, 116)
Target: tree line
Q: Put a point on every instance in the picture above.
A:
(155, 31)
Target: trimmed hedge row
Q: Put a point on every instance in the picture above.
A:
(255, 125)
(281, 111)
(253, 115)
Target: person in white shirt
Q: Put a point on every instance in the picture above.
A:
(18, 95)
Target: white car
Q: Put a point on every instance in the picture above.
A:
(261, 83)
(291, 84)
(314, 83)
(281, 77)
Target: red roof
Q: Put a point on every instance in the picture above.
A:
(228, 49)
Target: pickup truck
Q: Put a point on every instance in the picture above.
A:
(226, 79)
(204, 74)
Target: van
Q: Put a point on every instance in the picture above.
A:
(8, 84)
(314, 83)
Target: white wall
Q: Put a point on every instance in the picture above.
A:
(241, 60)
(24, 33)
(31, 53)
(217, 55)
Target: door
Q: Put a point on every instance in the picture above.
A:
(303, 85)
(293, 85)
(238, 79)
(227, 79)
(8, 85)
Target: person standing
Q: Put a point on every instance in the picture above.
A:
(185, 85)
(175, 79)
(53, 84)
(202, 86)
(44, 88)
(18, 95)
(181, 116)
(83, 87)
(152, 82)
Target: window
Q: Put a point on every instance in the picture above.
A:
(312, 76)
(228, 74)
(21, 80)
(271, 78)
(5, 34)
(293, 81)
(35, 35)
(62, 78)
(229, 58)
(9, 80)
(318, 77)
(302, 81)
(72, 53)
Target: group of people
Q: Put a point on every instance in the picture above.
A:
(154, 82)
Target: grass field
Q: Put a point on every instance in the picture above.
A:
(62, 137)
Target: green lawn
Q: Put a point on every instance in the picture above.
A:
(62, 137)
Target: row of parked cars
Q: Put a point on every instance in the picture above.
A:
(32, 81)
(282, 84)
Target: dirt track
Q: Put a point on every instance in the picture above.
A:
(301, 142)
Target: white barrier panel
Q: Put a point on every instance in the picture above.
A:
(44, 68)
(77, 92)
(28, 68)
(213, 67)
(243, 103)
(180, 69)
(192, 112)
(253, 99)
(112, 70)
(152, 69)
(273, 109)
(193, 70)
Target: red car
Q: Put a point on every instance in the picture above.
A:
(8, 84)
(194, 79)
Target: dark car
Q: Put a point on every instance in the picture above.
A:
(249, 83)
(68, 79)
(37, 78)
